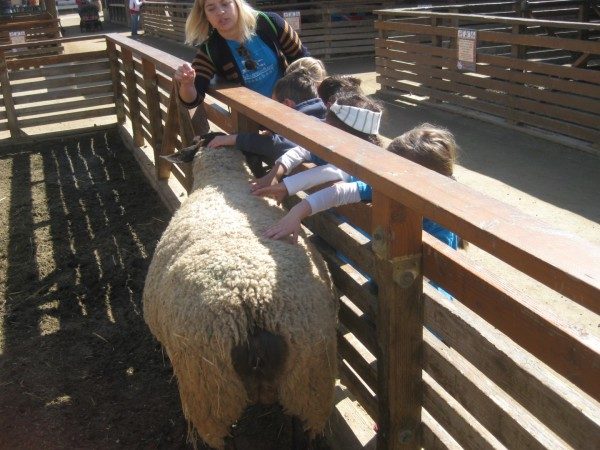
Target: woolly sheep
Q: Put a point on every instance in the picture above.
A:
(223, 302)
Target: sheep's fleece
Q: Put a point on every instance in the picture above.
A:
(213, 277)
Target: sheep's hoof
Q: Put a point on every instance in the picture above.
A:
(300, 439)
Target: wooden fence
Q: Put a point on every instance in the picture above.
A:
(35, 28)
(491, 367)
(528, 72)
(51, 89)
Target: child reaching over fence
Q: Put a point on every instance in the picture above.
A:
(353, 113)
(314, 67)
(335, 85)
(427, 145)
(298, 90)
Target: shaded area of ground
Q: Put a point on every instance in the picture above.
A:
(78, 366)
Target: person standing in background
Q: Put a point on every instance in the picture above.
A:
(134, 10)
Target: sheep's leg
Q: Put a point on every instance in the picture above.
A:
(300, 439)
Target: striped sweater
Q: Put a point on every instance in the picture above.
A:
(214, 56)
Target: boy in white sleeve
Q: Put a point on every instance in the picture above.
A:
(354, 113)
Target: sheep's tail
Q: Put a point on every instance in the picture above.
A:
(259, 363)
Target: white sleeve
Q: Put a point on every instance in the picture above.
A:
(336, 195)
(314, 177)
(293, 158)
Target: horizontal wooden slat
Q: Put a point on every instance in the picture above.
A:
(570, 414)
(57, 59)
(354, 358)
(353, 383)
(347, 241)
(573, 354)
(348, 281)
(74, 80)
(68, 116)
(435, 437)
(63, 93)
(61, 69)
(360, 325)
(65, 106)
(554, 125)
(499, 414)
(454, 418)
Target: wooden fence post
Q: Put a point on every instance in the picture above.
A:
(153, 102)
(116, 80)
(163, 168)
(397, 243)
(9, 105)
(132, 95)
(243, 124)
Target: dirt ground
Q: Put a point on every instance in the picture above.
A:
(78, 366)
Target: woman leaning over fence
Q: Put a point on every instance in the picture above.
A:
(242, 45)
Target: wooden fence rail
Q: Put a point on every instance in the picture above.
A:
(491, 367)
(528, 72)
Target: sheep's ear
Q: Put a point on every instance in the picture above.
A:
(184, 156)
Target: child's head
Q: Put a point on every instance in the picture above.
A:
(295, 87)
(336, 85)
(429, 146)
(356, 114)
(314, 66)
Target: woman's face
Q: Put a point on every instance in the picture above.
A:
(222, 15)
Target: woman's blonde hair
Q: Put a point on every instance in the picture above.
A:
(198, 28)
(314, 67)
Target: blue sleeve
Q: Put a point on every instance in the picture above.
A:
(364, 190)
(272, 146)
(318, 161)
(443, 234)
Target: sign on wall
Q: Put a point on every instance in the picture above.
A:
(16, 37)
(467, 49)
(293, 18)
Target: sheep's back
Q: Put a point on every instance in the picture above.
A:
(215, 272)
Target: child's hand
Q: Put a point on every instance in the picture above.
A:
(263, 182)
(223, 141)
(273, 177)
(277, 191)
(290, 224)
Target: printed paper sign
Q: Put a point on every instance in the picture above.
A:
(467, 49)
(16, 37)
(293, 18)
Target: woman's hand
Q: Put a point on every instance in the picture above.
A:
(277, 191)
(185, 74)
(290, 224)
(223, 141)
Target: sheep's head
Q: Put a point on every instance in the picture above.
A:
(187, 154)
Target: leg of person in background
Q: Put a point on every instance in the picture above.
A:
(135, 19)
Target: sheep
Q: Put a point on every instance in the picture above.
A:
(243, 319)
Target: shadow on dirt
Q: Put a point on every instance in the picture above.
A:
(79, 367)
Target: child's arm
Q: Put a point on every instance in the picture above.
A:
(288, 161)
(227, 140)
(301, 181)
(270, 145)
(336, 195)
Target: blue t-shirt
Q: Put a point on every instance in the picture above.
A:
(263, 78)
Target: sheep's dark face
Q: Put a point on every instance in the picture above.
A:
(187, 154)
